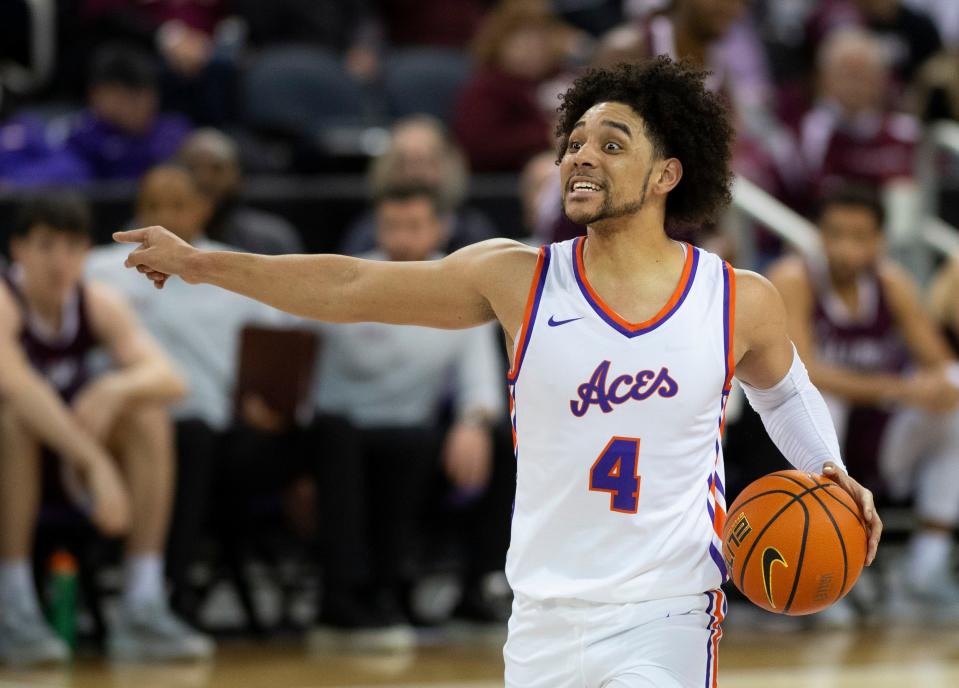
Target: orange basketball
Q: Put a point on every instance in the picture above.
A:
(794, 543)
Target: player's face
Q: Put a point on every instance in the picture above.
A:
(52, 262)
(607, 164)
(408, 229)
(852, 241)
(168, 197)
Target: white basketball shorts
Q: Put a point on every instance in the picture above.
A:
(669, 643)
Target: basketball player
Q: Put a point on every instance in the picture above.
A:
(858, 322)
(49, 324)
(623, 346)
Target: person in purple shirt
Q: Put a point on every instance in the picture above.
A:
(122, 134)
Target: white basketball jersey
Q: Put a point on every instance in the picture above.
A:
(617, 426)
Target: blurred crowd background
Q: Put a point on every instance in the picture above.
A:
(362, 476)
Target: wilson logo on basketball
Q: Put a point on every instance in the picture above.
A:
(738, 533)
(623, 388)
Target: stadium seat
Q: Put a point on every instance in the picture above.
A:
(425, 80)
(291, 90)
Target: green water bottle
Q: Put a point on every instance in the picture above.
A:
(63, 596)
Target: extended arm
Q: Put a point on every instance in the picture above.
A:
(472, 286)
(778, 387)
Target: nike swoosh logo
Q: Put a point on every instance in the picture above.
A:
(771, 556)
(552, 322)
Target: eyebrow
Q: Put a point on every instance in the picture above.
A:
(607, 123)
(618, 125)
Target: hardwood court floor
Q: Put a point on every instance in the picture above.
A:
(877, 658)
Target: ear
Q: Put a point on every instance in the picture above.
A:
(670, 172)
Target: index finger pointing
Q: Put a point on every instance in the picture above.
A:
(133, 236)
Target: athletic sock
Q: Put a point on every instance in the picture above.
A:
(929, 552)
(143, 581)
(16, 585)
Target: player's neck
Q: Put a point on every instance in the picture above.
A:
(619, 252)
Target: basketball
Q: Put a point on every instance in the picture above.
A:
(794, 543)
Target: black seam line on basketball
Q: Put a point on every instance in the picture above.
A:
(762, 494)
(846, 507)
(842, 542)
(795, 498)
(781, 474)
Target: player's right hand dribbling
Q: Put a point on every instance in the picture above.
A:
(161, 253)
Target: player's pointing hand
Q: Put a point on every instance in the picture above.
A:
(161, 253)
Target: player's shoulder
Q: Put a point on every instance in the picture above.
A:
(900, 288)
(104, 303)
(754, 293)
(892, 275)
(789, 272)
(497, 257)
(502, 248)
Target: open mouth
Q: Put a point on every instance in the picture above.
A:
(583, 188)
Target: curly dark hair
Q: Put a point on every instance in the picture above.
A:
(683, 120)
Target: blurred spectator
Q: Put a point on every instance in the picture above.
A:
(857, 321)
(196, 40)
(500, 121)
(538, 195)
(122, 134)
(714, 34)
(236, 457)
(389, 380)
(850, 135)
(50, 321)
(718, 36)
(213, 159)
(908, 37)
(32, 154)
(421, 152)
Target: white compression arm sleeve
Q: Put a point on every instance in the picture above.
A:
(797, 419)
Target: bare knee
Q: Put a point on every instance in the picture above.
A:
(143, 425)
(17, 441)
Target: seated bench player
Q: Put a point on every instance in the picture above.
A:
(111, 434)
(858, 322)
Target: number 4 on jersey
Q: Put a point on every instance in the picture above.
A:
(616, 472)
